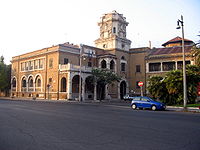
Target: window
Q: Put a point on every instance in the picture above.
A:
(66, 61)
(104, 46)
(144, 99)
(123, 46)
(41, 62)
(137, 68)
(89, 64)
(26, 66)
(31, 83)
(137, 98)
(30, 64)
(24, 82)
(114, 30)
(14, 83)
(112, 65)
(154, 67)
(63, 84)
(103, 64)
(123, 58)
(123, 66)
(36, 63)
(51, 63)
(38, 83)
(180, 64)
(167, 66)
(50, 80)
(23, 66)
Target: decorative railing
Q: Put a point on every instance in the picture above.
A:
(71, 67)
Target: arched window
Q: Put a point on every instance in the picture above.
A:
(112, 65)
(123, 58)
(63, 84)
(14, 82)
(38, 81)
(103, 64)
(30, 82)
(23, 82)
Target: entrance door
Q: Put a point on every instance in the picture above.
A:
(122, 89)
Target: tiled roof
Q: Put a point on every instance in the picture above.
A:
(175, 40)
(170, 50)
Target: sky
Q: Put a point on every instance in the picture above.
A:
(28, 25)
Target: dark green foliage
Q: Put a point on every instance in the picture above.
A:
(170, 88)
(5, 75)
(103, 77)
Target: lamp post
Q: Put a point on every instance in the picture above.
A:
(184, 70)
(80, 89)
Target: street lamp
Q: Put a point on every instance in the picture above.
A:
(80, 89)
(180, 22)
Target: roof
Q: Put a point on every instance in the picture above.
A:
(176, 40)
(170, 50)
(67, 44)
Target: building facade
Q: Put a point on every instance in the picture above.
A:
(55, 72)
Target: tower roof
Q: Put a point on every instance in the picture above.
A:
(176, 40)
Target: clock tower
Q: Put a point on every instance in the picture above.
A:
(113, 32)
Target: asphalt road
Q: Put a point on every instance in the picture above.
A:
(29, 125)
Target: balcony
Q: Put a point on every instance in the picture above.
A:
(71, 67)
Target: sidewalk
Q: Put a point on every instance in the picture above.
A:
(116, 102)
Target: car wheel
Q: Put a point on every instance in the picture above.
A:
(153, 107)
(134, 106)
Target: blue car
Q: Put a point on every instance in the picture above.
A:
(146, 102)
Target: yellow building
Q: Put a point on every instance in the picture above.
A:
(54, 72)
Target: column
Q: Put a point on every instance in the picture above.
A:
(95, 91)
(26, 86)
(176, 65)
(34, 86)
(106, 92)
(118, 90)
(69, 86)
(147, 67)
(83, 90)
(161, 66)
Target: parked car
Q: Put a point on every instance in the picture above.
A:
(146, 102)
(128, 97)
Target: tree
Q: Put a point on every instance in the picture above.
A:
(5, 75)
(101, 78)
(170, 88)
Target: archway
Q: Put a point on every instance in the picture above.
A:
(75, 86)
(89, 88)
(122, 89)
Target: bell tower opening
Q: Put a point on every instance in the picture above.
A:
(113, 32)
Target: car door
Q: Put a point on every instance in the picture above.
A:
(145, 103)
(137, 101)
